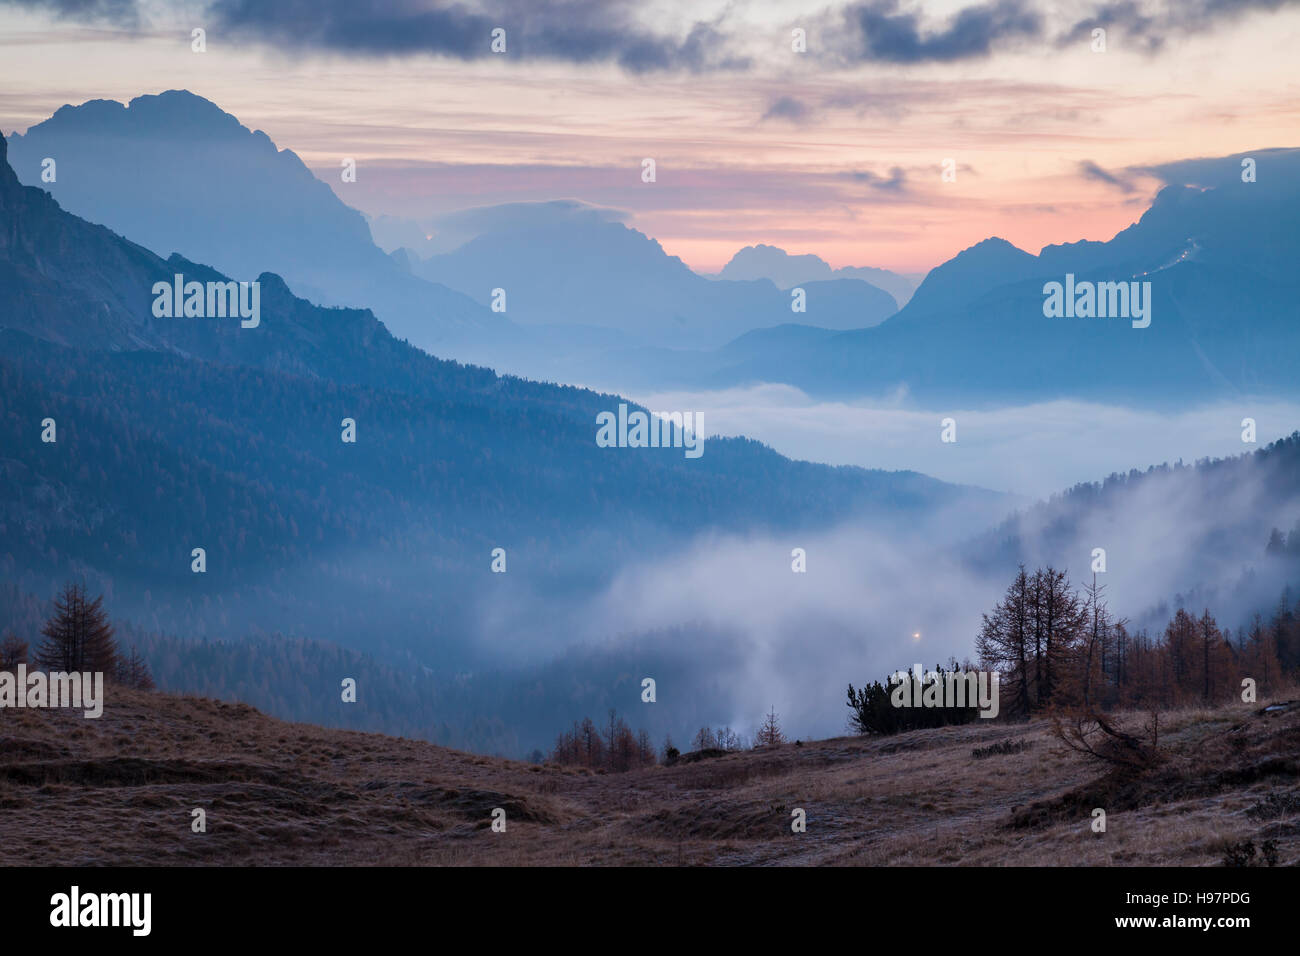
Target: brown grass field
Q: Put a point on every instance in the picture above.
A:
(120, 790)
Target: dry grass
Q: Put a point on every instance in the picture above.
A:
(120, 790)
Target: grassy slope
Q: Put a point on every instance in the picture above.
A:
(119, 790)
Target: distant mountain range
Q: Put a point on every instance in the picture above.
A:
(786, 271)
(178, 175)
(576, 269)
(587, 298)
(183, 432)
(1219, 255)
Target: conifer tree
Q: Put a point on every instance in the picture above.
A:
(13, 651)
(78, 636)
(769, 732)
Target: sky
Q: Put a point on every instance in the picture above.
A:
(837, 151)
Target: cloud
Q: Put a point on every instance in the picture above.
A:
(788, 108)
(1073, 441)
(576, 31)
(640, 41)
(1278, 168)
(123, 13)
(572, 31)
(1090, 170)
(1147, 26)
(755, 634)
(883, 32)
(896, 182)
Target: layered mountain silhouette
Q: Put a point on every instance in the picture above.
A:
(785, 271)
(589, 298)
(184, 432)
(1218, 252)
(177, 433)
(576, 267)
(178, 175)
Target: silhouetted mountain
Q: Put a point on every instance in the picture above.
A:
(1223, 307)
(575, 267)
(176, 433)
(178, 175)
(770, 262)
(969, 275)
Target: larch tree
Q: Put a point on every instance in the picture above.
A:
(1214, 656)
(134, 672)
(78, 636)
(13, 651)
(704, 739)
(1003, 642)
(1061, 617)
(769, 732)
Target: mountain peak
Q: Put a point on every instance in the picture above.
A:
(8, 178)
(987, 253)
(762, 261)
(176, 101)
(995, 243)
(173, 112)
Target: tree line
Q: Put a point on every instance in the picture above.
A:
(613, 746)
(1055, 645)
(872, 711)
(78, 638)
(1059, 649)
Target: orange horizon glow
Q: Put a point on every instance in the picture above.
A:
(433, 136)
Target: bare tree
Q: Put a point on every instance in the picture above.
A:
(134, 672)
(1213, 654)
(704, 739)
(769, 732)
(1003, 642)
(78, 636)
(1077, 720)
(645, 749)
(13, 651)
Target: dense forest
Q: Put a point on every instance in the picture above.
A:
(156, 455)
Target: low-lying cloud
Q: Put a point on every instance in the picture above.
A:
(1031, 450)
(738, 631)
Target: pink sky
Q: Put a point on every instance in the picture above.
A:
(433, 135)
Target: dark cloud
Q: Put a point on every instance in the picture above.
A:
(895, 182)
(887, 33)
(788, 108)
(124, 13)
(1090, 170)
(1147, 27)
(574, 31)
(622, 32)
